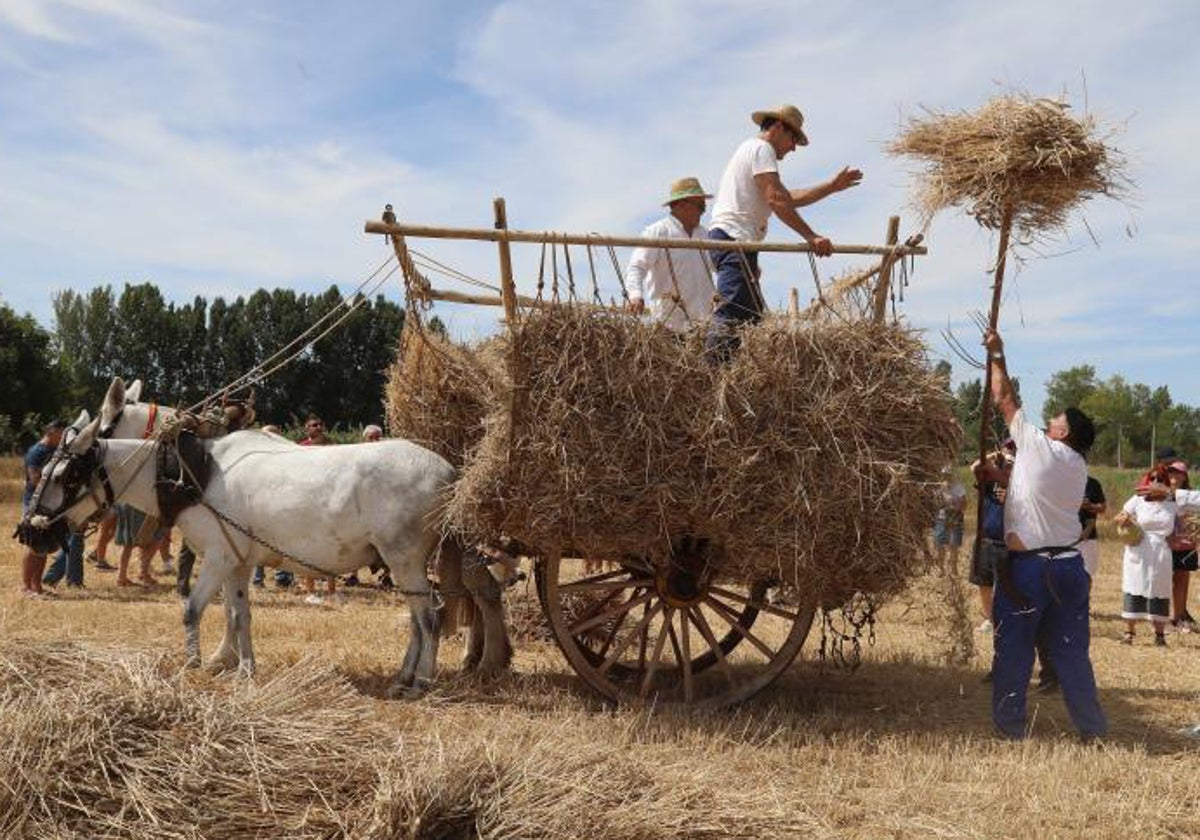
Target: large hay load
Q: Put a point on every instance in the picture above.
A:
(813, 459)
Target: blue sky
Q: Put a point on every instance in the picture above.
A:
(218, 147)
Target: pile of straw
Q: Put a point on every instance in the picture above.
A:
(106, 742)
(109, 742)
(813, 458)
(1016, 151)
(437, 392)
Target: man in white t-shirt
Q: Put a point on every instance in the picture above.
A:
(749, 193)
(677, 282)
(1042, 587)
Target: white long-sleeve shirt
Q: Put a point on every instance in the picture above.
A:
(676, 284)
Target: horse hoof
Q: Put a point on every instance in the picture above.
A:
(470, 663)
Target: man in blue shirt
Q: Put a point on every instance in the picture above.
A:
(33, 564)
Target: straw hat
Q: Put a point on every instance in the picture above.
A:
(686, 188)
(789, 115)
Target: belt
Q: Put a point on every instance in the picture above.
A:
(1049, 552)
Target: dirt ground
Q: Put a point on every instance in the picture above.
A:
(902, 747)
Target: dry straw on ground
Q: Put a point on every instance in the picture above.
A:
(813, 457)
(1016, 151)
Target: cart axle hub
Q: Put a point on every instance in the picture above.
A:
(680, 587)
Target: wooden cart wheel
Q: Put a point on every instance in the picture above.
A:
(586, 603)
(637, 636)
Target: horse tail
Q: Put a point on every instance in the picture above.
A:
(458, 608)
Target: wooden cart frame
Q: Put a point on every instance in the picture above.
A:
(635, 633)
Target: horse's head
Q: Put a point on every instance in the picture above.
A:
(73, 489)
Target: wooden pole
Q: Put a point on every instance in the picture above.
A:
(879, 310)
(451, 296)
(508, 289)
(985, 411)
(503, 234)
(794, 303)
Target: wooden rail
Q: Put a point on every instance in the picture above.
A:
(554, 237)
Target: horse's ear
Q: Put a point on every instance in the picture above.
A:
(114, 400)
(82, 442)
(133, 393)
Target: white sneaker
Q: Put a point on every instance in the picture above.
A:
(314, 599)
(985, 627)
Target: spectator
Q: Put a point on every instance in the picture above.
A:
(991, 479)
(1092, 506)
(314, 428)
(1146, 567)
(372, 434)
(948, 526)
(1183, 555)
(136, 529)
(33, 564)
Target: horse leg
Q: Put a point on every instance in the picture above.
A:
(227, 655)
(237, 590)
(473, 652)
(420, 660)
(496, 651)
(212, 576)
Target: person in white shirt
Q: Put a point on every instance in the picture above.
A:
(677, 282)
(749, 192)
(1043, 586)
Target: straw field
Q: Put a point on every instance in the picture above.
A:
(103, 735)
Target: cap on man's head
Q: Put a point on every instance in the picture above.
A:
(56, 425)
(789, 115)
(686, 188)
(1166, 453)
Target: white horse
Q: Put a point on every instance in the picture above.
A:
(468, 591)
(324, 510)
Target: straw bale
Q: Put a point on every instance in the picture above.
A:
(437, 391)
(1032, 154)
(813, 458)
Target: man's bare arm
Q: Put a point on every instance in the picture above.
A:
(784, 208)
(1004, 396)
(843, 180)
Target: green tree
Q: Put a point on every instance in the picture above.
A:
(1068, 388)
(34, 387)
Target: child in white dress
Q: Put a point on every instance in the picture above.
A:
(1146, 572)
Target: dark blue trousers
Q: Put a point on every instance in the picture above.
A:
(1056, 595)
(739, 300)
(68, 563)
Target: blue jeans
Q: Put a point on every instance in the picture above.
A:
(1056, 607)
(68, 563)
(740, 302)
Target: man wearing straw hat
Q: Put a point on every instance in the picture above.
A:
(678, 282)
(1043, 586)
(749, 192)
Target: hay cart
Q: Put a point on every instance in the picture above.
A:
(680, 630)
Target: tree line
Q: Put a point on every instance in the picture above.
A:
(184, 352)
(1133, 420)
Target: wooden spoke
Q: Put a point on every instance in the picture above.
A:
(658, 648)
(600, 618)
(684, 646)
(638, 632)
(612, 634)
(706, 631)
(599, 582)
(645, 631)
(750, 602)
(723, 611)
